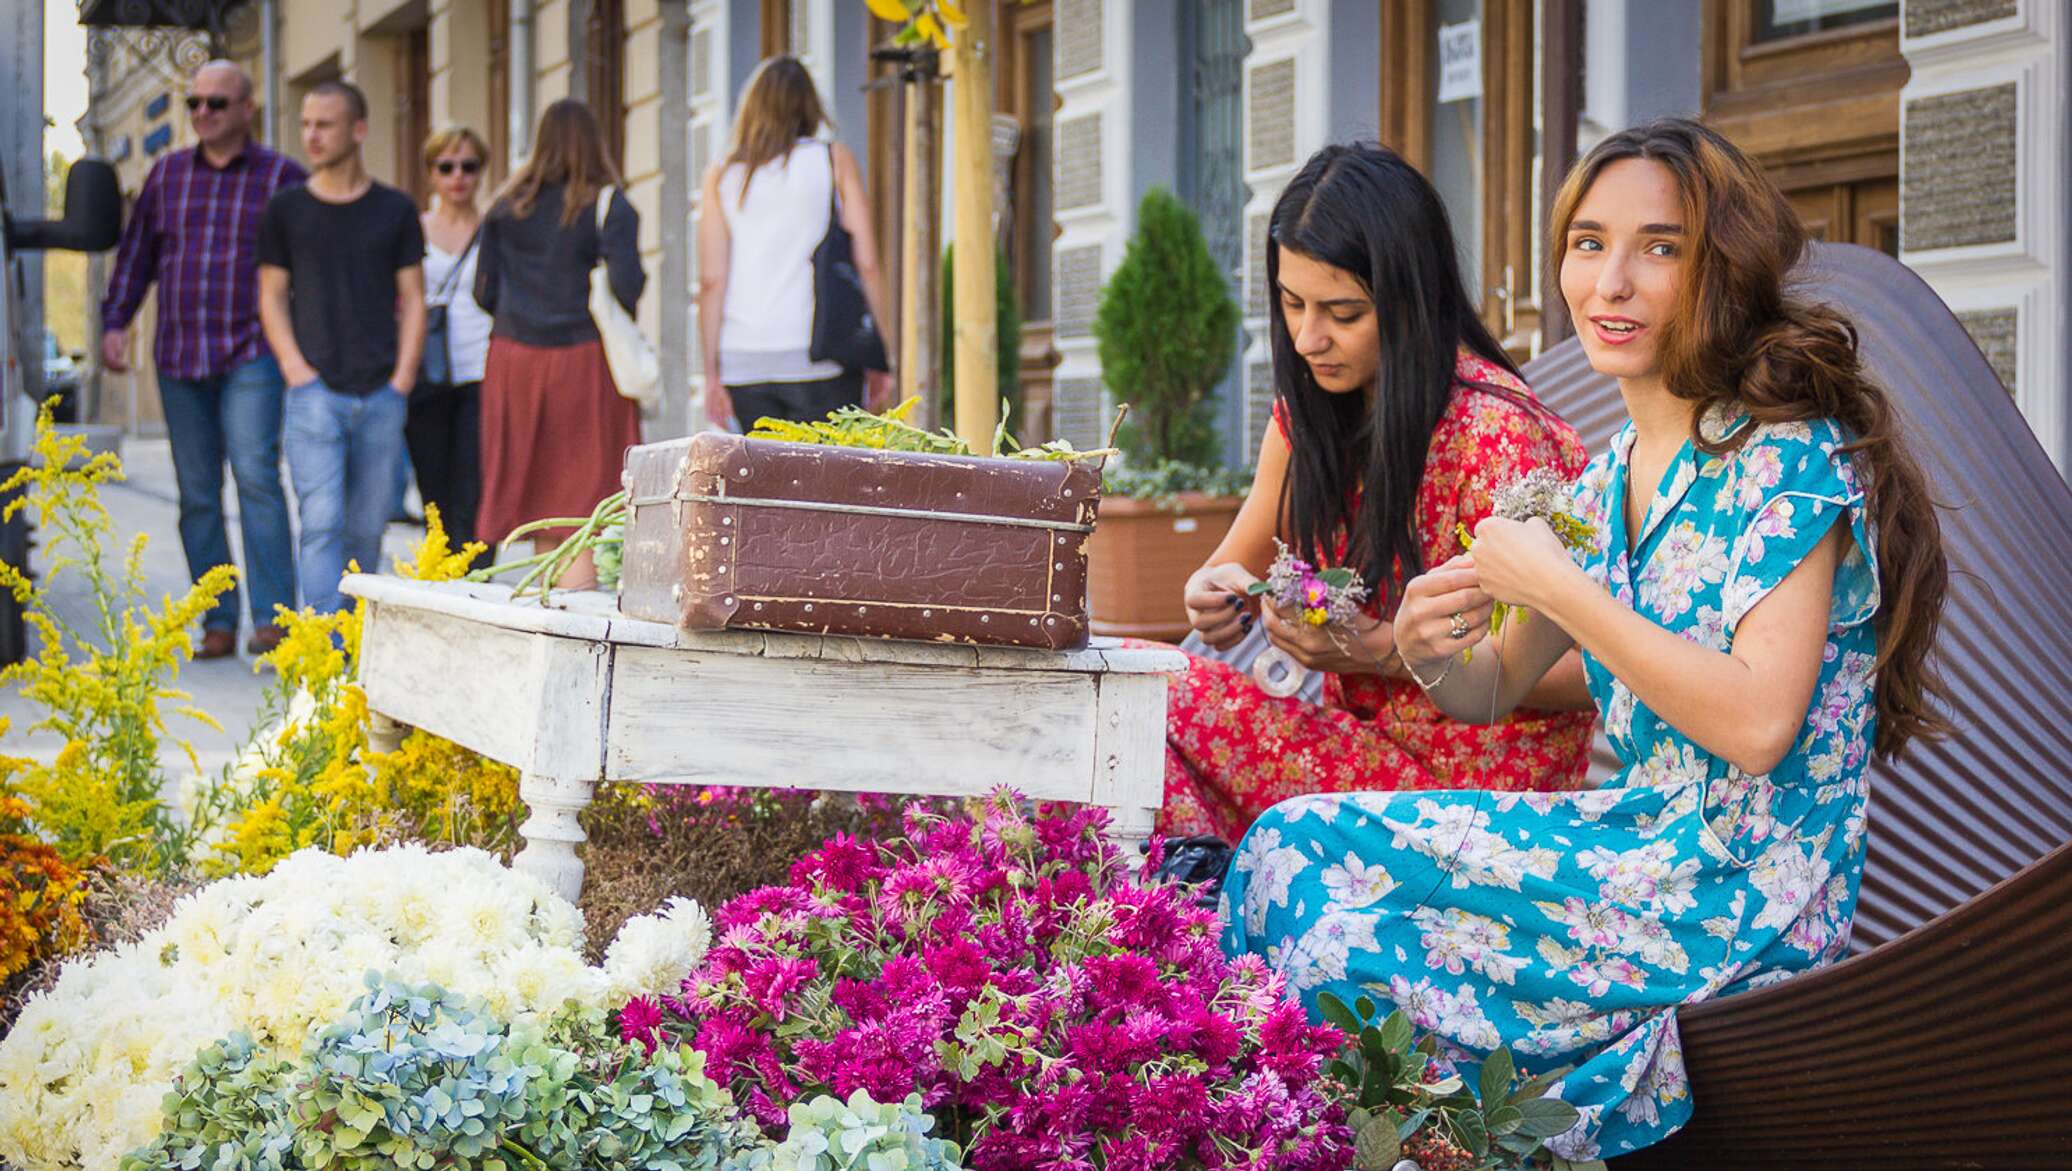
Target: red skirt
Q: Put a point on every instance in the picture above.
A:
(1233, 751)
(554, 434)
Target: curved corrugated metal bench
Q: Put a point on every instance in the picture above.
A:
(1945, 1040)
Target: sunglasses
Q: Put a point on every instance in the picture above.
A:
(214, 102)
(464, 166)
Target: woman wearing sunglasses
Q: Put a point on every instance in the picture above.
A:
(445, 427)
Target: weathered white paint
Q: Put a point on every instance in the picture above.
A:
(571, 694)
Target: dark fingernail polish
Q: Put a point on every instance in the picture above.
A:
(1246, 621)
(1234, 600)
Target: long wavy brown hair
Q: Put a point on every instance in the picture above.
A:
(779, 107)
(1740, 336)
(568, 150)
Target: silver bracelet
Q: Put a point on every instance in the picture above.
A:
(1443, 672)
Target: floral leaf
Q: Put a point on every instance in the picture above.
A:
(1332, 1008)
(1497, 1072)
(1471, 1132)
(1396, 1032)
(1377, 1145)
(1545, 1117)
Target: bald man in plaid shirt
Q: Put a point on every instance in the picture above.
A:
(194, 233)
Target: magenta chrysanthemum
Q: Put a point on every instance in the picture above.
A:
(1050, 1011)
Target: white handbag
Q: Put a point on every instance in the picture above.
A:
(636, 370)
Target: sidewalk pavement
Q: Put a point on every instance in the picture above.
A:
(147, 501)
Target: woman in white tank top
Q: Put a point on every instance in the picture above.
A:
(765, 212)
(444, 430)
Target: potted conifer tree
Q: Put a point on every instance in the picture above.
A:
(1167, 328)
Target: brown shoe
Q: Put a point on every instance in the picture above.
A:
(264, 639)
(216, 644)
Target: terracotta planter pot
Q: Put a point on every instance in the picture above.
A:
(1139, 558)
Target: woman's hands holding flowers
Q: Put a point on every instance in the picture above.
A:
(1345, 648)
(1516, 561)
(1435, 605)
(1218, 606)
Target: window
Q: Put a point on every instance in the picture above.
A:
(1779, 20)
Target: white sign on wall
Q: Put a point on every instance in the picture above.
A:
(1460, 61)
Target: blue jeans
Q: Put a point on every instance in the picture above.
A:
(234, 416)
(343, 450)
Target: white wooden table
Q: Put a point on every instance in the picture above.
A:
(574, 693)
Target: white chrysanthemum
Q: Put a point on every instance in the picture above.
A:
(652, 954)
(84, 1070)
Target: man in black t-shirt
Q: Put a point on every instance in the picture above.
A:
(341, 294)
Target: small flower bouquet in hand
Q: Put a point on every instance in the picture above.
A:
(1540, 493)
(1317, 596)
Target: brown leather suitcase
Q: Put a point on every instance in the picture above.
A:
(757, 534)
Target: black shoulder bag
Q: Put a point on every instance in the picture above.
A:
(435, 368)
(843, 329)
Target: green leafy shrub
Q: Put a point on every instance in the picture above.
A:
(1403, 1104)
(418, 1077)
(861, 1134)
(1167, 328)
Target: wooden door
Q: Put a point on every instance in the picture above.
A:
(499, 128)
(1811, 89)
(1025, 92)
(1457, 102)
(413, 118)
(604, 73)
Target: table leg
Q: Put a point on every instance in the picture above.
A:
(552, 832)
(384, 734)
(1129, 831)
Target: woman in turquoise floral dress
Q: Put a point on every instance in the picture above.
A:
(1755, 610)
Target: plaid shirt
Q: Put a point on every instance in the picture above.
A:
(194, 230)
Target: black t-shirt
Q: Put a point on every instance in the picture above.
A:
(342, 260)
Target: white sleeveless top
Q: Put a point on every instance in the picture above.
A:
(766, 325)
(467, 326)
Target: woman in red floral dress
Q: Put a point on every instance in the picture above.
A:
(1396, 416)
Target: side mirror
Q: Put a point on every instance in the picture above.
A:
(93, 214)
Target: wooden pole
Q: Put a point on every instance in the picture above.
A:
(920, 305)
(1561, 103)
(978, 330)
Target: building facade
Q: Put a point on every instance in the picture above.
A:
(1935, 130)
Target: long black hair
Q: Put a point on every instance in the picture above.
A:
(1359, 207)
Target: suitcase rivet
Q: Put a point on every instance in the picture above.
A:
(927, 613)
(726, 540)
(863, 609)
(726, 520)
(1068, 493)
(985, 618)
(729, 599)
(809, 607)
(722, 569)
(758, 605)
(1061, 540)
(744, 471)
(1057, 598)
(1051, 621)
(1032, 622)
(1061, 565)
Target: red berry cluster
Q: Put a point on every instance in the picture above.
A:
(1432, 1150)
